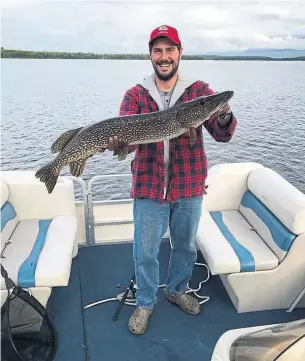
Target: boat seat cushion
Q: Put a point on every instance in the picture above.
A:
(40, 252)
(275, 234)
(284, 200)
(230, 245)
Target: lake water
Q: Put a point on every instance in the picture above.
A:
(43, 98)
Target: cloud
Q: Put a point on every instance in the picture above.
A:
(124, 26)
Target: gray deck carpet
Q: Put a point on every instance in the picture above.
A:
(102, 272)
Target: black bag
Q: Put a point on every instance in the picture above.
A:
(27, 331)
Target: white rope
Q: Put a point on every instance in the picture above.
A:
(204, 298)
(190, 290)
(131, 301)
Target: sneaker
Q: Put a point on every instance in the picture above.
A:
(139, 320)
(186, 302)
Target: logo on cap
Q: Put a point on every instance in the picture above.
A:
(163, 28)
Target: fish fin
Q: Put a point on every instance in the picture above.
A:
(48, 175)
(122, 152)
(193, 136)
(77, 167)
(64, 139)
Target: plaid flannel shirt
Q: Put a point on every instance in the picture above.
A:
(187, 168)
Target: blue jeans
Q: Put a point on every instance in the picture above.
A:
(151, 220)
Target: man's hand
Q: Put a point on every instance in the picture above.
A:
(224, 115)
(113, 144)
(223, 110)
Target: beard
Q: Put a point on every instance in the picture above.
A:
(166, 76)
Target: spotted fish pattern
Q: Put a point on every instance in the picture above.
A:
(77, 145)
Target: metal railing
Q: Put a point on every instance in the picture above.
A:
(89, 204)
(85, 207)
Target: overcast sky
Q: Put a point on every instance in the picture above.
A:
(124, 26)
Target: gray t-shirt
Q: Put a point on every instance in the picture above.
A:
(165, 97)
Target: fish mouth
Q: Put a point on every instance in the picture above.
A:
(212, 103)
(219, 98)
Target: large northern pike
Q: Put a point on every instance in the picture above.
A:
(77, 145)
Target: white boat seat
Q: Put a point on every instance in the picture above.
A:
(231, 244)
(249, 238)
(38, 232)
(252, 234)
(39, 252)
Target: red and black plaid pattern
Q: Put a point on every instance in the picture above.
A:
(187, 166)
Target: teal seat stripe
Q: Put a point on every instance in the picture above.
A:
(280, 233)
(246, 260)
(26, 274)
(7, 214)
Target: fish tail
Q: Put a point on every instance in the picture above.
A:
(48, 175)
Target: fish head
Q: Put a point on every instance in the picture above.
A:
(194, 112)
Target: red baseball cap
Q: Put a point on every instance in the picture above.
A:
(166, 31)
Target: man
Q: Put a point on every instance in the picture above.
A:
(168, 180)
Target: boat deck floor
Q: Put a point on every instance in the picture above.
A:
(172, 335)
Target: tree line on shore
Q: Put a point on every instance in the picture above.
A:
(28, 54)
